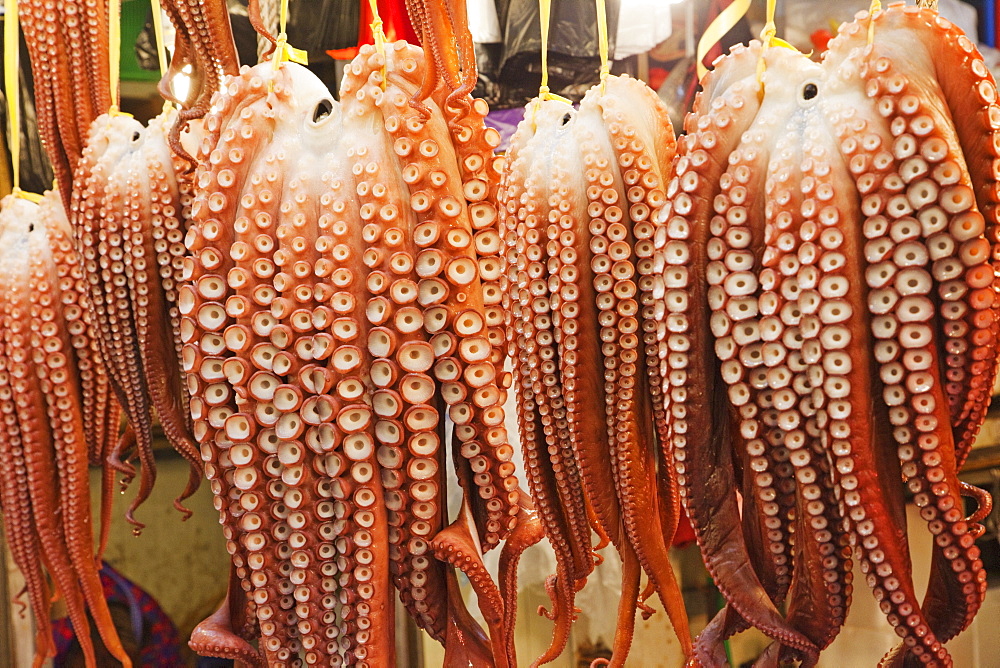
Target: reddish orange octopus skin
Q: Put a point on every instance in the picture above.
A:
(336, 302)
(57, 417)
(833, 226)
(129, 215)
(585, 328)
(68, 48)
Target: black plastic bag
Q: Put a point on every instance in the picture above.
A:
(573, 50)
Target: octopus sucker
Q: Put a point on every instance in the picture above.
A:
(129, 212)
(865, 278)
(50, 375)
(580, 198)
(331, 316)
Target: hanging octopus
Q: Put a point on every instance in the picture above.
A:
(58, 416)
(340, 307)
(129, 213)
(579, 198)
(833, 226)
(68, 49)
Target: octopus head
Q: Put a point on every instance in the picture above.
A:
(312, 107)
(17, 224)
(792, 80)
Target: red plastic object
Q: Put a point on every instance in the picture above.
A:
(820, 39)
(395, 24)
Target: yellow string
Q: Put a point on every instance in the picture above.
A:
(766, 38)
(723, 23)
(378, 33)
(544, 14)
(876, 6)
(11, 65)
(544, 9)
(283, 51)
(602, 40)
(114, 51)
(11, 58)
(161, 47)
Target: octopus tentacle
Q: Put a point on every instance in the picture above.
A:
(217, 636)
(968, 99)
(625, 629)
(70, 91)
(705, 471)
(19, 532)
(205, 52)
(46, 502)
(457, 545)
(527, 532)
(921, 260)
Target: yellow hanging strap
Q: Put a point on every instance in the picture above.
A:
(544, 14)
(114, 51)
(717, 29)
(378, 33)
(283, 51)
(876, 6)
(161, 47)
(767, 38)
(602, 40)
(11, 68)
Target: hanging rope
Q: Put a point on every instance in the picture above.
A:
(161, 47)
(283, 50)
(767, 37)
(717, 29)
(544, 15)
(876, 6)
(114, 51)
(602, 40)
(12, 64)
(378, 33)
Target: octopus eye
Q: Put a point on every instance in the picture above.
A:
(135, 136)
(31, 227)
(809, 91)
(567, 118)
(322, 110)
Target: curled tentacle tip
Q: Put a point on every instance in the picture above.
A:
(185, 512)
(137, 526)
